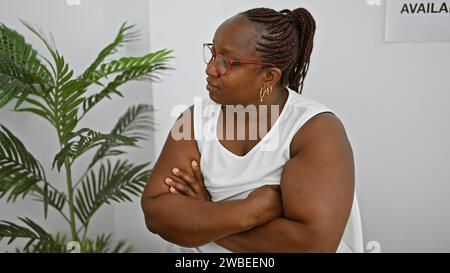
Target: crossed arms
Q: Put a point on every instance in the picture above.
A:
(307, 214)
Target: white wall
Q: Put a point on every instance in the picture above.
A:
(391, 98)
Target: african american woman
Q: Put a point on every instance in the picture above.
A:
(290, 188)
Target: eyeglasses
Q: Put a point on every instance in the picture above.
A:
(223, 63)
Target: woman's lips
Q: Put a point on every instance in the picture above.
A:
(211, 87)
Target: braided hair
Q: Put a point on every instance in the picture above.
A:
(286, 42)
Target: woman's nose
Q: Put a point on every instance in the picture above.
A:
(211, 70)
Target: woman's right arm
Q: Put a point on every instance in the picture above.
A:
(187, 221)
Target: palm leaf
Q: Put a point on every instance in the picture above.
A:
(10, 88)
(147, 67)
(124, 35)
(111, 183)
(66, 93)
(22, 74)
(38, 239)
(38, 108)
(55, 198)
(128, 63)
(131, 124)
(87, 139)
(13, 45)
(50, 47)
(19, 61)
(19, 170)
(70, 98)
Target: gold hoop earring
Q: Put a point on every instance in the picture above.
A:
(264, 91)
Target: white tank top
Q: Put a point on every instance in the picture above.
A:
(228, 176)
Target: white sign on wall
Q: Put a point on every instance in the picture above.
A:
(417, 21)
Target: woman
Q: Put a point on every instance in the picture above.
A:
(289, 190)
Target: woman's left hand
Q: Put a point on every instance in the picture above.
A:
(187, 184)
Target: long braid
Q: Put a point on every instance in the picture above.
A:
(287, 42)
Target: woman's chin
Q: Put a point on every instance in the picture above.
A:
(214, 96)
(213, 93)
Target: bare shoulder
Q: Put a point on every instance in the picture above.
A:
(321, 129)
(317, 182)
(179, 150)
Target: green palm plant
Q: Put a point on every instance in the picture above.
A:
(49, 89)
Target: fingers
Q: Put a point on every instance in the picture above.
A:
(199, 178)
(190, 184)
(179, 187)
(183, 175)
(191, 181)
(196, 170)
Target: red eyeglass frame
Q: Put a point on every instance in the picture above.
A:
(230, 61)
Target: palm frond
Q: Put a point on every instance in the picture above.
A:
(19, 60)
(55, 198)
(147, 67)
(13, 45)
(38, 108)
(87, 139)
(126, 34)
(128, 63)
(112, 183)
(132, 124)
(39, 240)
(11, 88)
(66, 94)
(50, 47)
(71, 96)
(19, 170)
(22, 74)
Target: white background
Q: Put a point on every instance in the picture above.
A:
(392, 98)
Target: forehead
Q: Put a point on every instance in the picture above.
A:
(237, 36)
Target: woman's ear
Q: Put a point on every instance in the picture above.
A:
(271, 76)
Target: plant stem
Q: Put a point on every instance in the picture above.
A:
(71, 203)
(85, 230)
